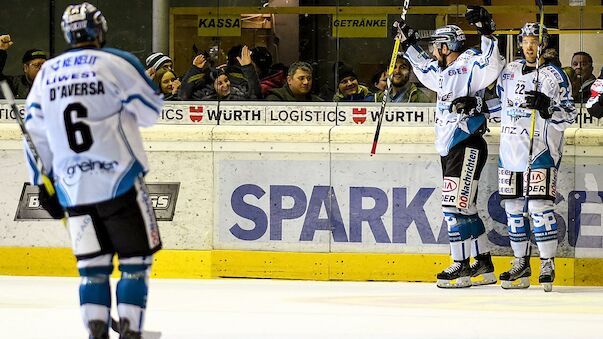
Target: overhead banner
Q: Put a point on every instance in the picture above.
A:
(223, 25)
(360, 26)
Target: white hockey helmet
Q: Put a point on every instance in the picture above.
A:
(532, 29)
(83, 23)
(451, 35)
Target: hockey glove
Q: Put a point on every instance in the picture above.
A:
(50, 203)
(409, 35)
(540, 102)
(469, 106)
(482, 20)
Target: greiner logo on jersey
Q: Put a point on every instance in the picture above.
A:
(467, 193)
(163, 198)
(80, 166)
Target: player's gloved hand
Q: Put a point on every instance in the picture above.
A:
(409, 35)
(479, 16)
(540, 102)
(51, 203)
(469, 106)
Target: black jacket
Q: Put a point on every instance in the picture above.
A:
(19, 84)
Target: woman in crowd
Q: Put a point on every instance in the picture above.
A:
(167, 82)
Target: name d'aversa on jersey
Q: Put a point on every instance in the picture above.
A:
(87, 85)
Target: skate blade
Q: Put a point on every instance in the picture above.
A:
(458, 283)
(486, 279)
(515, 284)
(548, 287)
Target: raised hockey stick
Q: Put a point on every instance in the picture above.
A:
(8, 95)
(390, 71)
(526, 191)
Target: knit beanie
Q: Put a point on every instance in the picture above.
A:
(156, 60)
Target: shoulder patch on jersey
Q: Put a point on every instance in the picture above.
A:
(131, 59)
(473, 51)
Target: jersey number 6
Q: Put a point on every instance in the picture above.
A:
(72, 128)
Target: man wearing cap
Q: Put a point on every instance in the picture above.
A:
(348, 88)
(32, 61)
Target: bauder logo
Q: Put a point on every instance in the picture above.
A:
(195, 113)
(163, 198)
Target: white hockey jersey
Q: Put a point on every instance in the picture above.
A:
(515, 121)
(83, 113)
(471, 72)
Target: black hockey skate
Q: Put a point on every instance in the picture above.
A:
(518, 276)
(483, 268)
(125, 332)
(547, 274)
(98, 329)
(457, 275)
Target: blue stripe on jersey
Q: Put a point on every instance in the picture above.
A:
(476, 62)
(143, 100)
(28, 117)
(545, 160)
(415, 65)
(134, 62)
(63, 197)
(473, 123)
(127, 180)
(32, 164)
(34, 105)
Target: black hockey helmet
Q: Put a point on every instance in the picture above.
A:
(83, 23)
(532, 29)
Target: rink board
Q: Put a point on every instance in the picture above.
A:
(279, 191)
(192, 264)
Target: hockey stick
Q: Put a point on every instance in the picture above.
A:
(526, 190)
(8, 95)
(390, 71)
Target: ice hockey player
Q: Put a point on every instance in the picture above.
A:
(457, 76)
(83, 114)
(544, 94)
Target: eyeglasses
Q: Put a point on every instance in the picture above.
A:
(37, 65)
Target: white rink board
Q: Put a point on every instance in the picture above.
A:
(346, 200)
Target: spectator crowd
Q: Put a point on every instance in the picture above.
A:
(250, 74)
